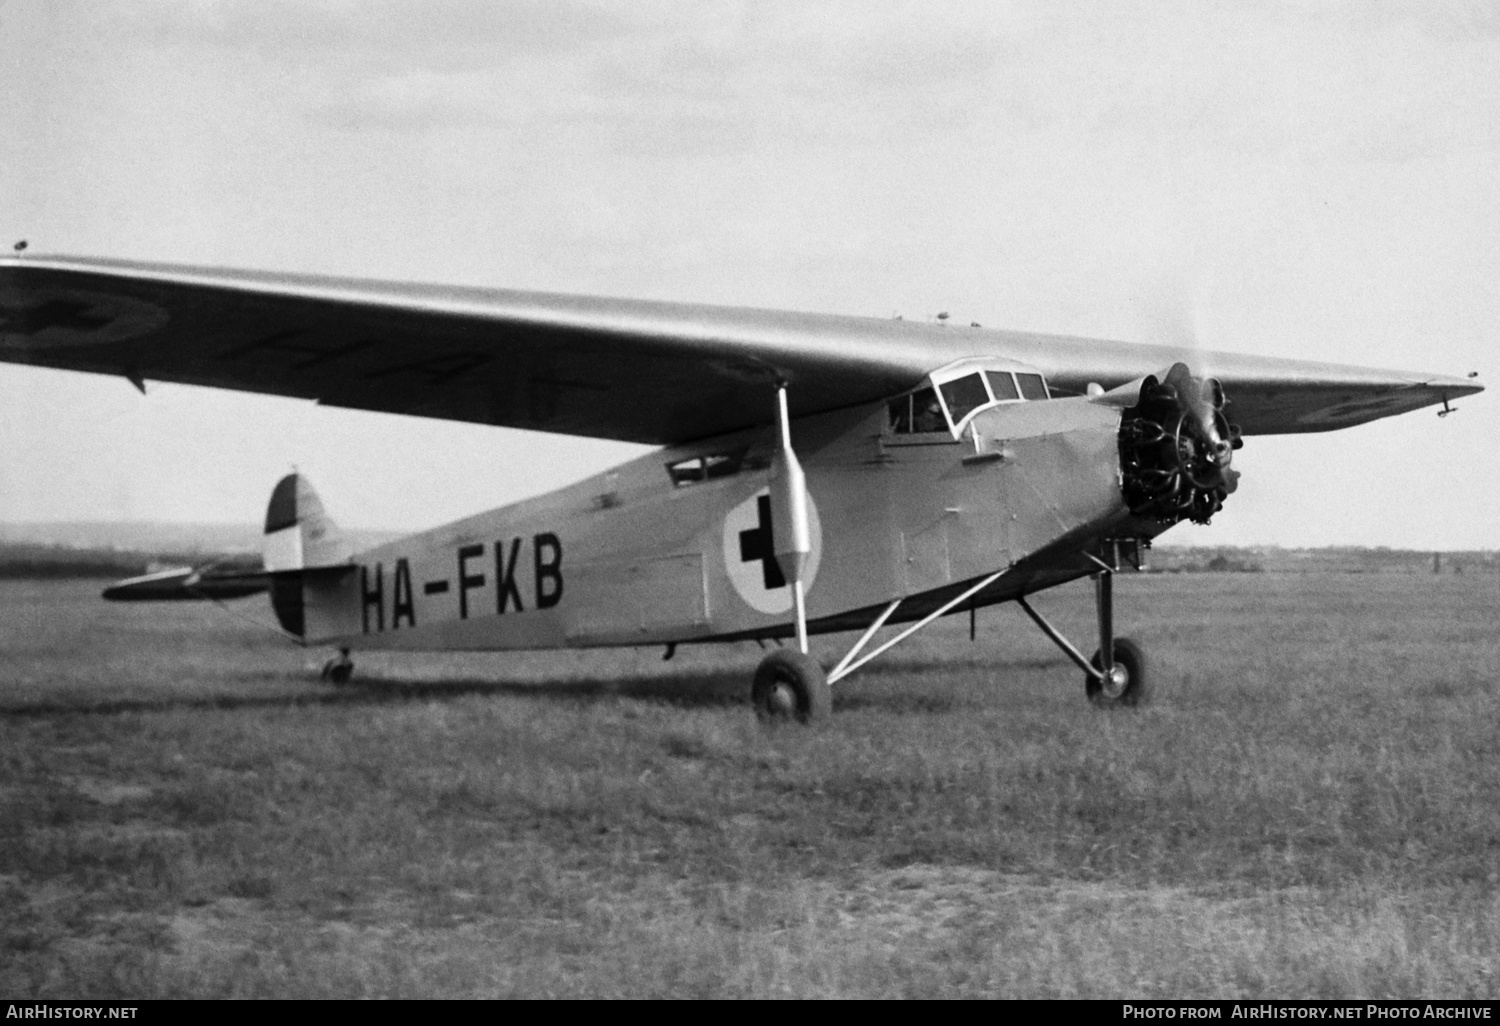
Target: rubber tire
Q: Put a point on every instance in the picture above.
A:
(791, 686)
(1129, 655)
(338, 671)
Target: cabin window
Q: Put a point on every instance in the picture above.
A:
(720, 465)
(917, 413)
(1032, 386)
(965, 395)
(1003, 385)
(686, 472)
(694, 469)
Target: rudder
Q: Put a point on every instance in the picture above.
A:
(302, 548)
(299, 534)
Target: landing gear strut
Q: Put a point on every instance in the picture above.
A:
(790, 684)
(339, 669)
(1116, 675)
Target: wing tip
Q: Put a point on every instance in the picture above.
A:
(1456, 388)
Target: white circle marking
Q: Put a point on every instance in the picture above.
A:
(747, 544)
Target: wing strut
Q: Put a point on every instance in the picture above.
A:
(790, 530)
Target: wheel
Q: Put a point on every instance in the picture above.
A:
(791, 686)
(338, 670)
(1129, 685)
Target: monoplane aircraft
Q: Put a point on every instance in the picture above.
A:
(816, 473)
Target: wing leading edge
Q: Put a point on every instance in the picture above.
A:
(632, 370)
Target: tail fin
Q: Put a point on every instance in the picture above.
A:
(307, 558)
(299, 535)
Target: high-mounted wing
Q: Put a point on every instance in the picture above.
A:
(624, 369)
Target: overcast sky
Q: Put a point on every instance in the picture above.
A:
(1313, 179)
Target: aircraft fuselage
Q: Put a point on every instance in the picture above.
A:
(676, 545)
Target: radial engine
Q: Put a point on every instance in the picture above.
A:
(1176, 447)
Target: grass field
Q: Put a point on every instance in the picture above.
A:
(1309, 807)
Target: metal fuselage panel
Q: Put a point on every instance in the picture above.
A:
(633, 557)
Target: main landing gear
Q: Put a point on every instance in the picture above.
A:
(1116, 676)
(339, 669)
(790, 685)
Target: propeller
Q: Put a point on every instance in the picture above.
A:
(1177, 444)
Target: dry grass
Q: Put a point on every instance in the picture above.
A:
(1309, 808)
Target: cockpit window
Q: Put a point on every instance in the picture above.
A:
(1003, 385)
(964, 395)
(1032, 386)
(963, 389)
(917, 413)
(900, 415)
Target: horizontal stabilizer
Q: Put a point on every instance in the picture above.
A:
(186, 583)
